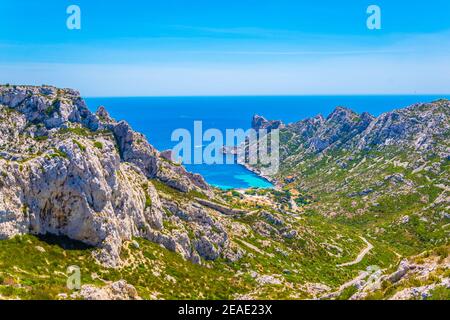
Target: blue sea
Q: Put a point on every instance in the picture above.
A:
(158, 117)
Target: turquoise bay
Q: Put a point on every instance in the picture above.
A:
(158, 117)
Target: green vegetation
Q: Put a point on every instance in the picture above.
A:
(159, 273)
(81, 131)
(440, 293)
(41, 138)
(80, 145)
(58, 153)
(148, 200)
(347, 293)
(98, 145)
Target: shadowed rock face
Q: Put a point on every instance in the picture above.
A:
(67, 171)
(134, 148)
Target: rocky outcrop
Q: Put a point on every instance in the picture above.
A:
(422, 292)
(340, 126)
(134, 148)
(176, 176)
(261, 123)
(67, 171)
(271, 218)
(119, 290)
(49, 106)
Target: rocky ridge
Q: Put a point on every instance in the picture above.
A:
(422, 127)
(364, 158)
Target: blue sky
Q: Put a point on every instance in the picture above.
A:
(245, 47)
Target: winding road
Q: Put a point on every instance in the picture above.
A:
(362, 275)
(360, 256)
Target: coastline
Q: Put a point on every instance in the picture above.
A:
(276, 184)
(232, 150)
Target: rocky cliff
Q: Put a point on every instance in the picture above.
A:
(261, 123)
(67, 171)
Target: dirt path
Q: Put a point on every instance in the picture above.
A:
(362, 275)
(360, 256)
(254, 248)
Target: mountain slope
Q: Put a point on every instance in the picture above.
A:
(389, 175)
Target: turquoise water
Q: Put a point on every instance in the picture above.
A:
(230, 176)
(157, 117)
